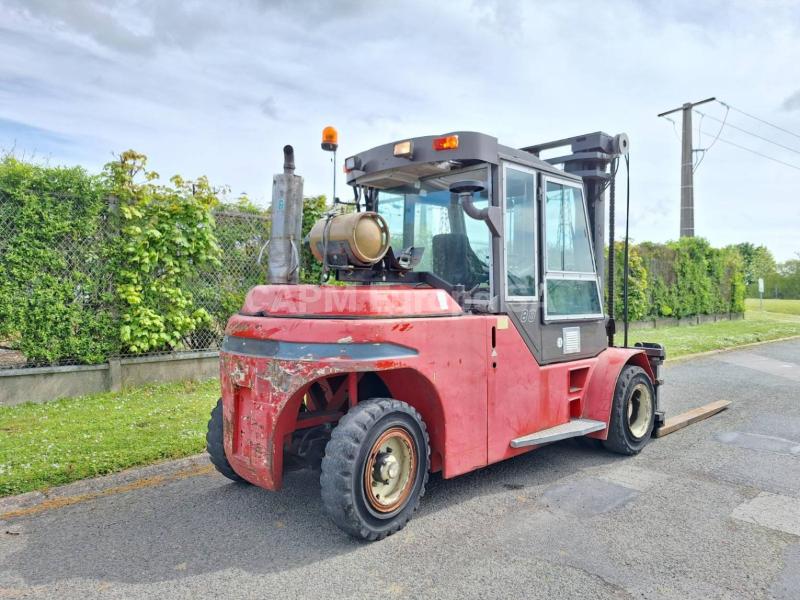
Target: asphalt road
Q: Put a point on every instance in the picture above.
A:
(712, 511)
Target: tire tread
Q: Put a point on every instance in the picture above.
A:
(340, 464)
(617, 440)
(216, 447)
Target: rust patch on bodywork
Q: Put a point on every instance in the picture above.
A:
(383, 365)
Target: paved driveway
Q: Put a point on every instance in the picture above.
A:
(711, 511)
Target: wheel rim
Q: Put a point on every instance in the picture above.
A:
(390, 470)
(640, 407)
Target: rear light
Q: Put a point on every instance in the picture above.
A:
(404, 149)
(448, 142)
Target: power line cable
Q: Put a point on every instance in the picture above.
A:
(739, 110)
(724, 141)
(699, 128)
(761, 137)
(701, 151)
(716, 137)
(674, 128)
(722, 126)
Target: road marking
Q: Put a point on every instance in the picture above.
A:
(771, 510)
(758, 441)
(750, 360)
(62, 501)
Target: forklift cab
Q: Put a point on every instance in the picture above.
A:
(520, 245)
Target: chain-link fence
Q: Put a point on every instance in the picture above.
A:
(220, 290)
(57, 296)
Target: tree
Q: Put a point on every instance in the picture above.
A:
(758, 262)
(785, 282)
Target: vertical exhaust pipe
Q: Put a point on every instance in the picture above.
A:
(288, 160)
(286, 229)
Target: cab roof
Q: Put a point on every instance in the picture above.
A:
(380, 168)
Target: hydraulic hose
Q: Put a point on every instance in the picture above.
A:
(611, 254)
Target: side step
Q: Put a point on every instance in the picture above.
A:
(574, 428)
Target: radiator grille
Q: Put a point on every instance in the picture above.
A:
(572, 340)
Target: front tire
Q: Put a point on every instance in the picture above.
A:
(632, 412)
(375, 468)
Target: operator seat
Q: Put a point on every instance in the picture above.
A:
(456, 262)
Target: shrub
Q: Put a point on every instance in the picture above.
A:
(242, 230)
(638, 301)
(681, 279)
(313, 209)
(166, 235)
(55, 280)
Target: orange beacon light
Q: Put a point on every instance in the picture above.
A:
(330, 139)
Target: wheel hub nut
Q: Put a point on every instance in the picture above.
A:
(389, 467)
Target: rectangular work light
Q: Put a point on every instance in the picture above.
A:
(351, 163)
(404, 149)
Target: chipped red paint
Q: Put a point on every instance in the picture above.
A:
(473, 403)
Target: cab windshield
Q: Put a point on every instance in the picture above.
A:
(425, 214)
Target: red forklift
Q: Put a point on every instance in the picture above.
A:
(466, 327)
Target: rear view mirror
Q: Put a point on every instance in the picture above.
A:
(467, 186)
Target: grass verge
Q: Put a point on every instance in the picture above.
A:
(786, 307)
(43, 445)
(691, 339)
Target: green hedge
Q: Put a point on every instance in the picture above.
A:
(56, 289)
(241, 230)
(166, 235)
(97, 265)
(93, 266)
(680, 279)
(83, 277)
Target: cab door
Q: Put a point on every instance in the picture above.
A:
(518, 399)
(573, 321)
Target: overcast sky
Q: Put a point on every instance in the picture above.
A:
(217, 88)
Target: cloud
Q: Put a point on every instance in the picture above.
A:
(319, 11)
(268, 108)
(792, 102)
(216, 88)
(138, 28)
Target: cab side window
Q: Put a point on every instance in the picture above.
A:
(571, 286)
(520, 230)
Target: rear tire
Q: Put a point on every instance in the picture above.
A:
(375, 468)
(216, 447)
(632, 412)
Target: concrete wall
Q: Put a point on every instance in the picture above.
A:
(51, 383)
(194, 365)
